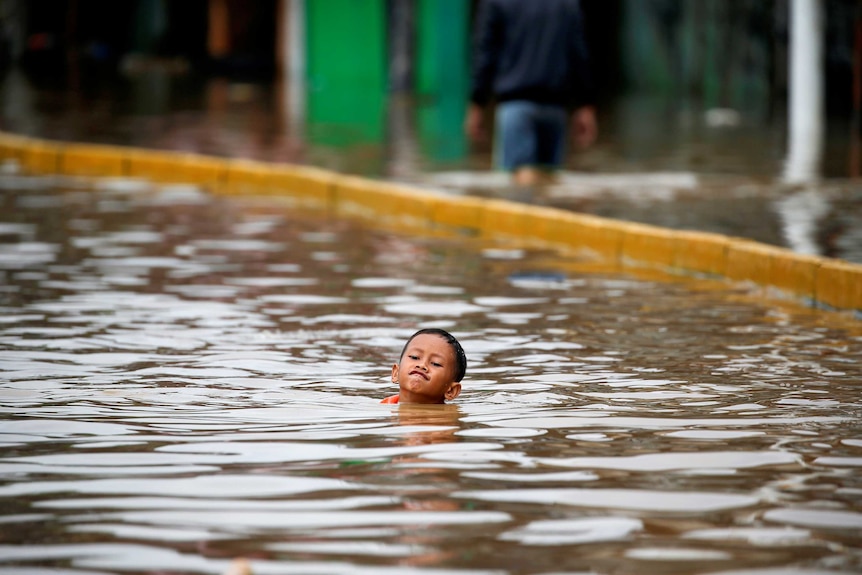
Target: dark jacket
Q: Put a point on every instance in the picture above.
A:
(531, 50)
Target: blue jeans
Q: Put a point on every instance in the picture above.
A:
(530, 134)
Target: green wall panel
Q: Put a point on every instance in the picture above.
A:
(442, 45)
(346, 67)
(442, 76)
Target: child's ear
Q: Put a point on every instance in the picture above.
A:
(453, 391)
(394, 373)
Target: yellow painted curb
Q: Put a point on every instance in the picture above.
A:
(642, 243)
(701, 252)
(246, 177)
(839, 285)
(310, 186)
(12, 146)
(400, 205)
(536, 220)
(41, 157)
(821, 281)
(94, 160)
(463, 213)
(177, 168)
(599, 236)
(499, 217)
(750, 261)
(797, 274)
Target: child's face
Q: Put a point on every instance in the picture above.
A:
(426, 371)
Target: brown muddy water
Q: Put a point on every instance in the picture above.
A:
(187, 379)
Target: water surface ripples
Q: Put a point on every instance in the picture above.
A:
(188, 379)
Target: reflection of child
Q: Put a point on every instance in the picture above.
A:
(430, 369)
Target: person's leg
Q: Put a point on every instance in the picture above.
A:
(551, 129)
(515, 145)
(529, 176)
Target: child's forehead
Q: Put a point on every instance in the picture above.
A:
(428, 341)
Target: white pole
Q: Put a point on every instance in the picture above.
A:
(805, 113)
(296, 39)
(294, 58)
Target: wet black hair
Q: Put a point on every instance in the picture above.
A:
(460, 356)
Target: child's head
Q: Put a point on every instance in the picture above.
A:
(430, 368)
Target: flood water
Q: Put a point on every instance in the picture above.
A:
(188, 379)
(657, 160)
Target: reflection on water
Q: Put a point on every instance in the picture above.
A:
(189, 379)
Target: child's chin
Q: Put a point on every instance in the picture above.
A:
(415, 388)
(418, 388)
(416, 382)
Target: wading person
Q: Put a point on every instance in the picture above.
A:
(530, 59)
